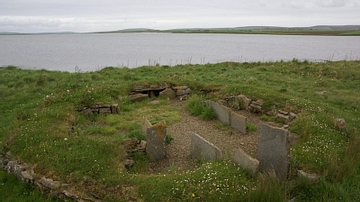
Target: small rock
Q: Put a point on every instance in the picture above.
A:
(283, 117)
(340, 124)
(26, 177)
(183, 92)
(292, 115)
(142, 146)
(154, 102)
(286, 126)
(283, 112)
(128, 163)
(69, 194)
(115, 108)
(49, 183)
(245, 102)
(311, 177)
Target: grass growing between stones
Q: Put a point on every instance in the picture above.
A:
(40, 126)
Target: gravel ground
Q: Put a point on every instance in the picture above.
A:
(226, 139)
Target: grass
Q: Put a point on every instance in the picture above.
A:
(40, 126)
(14, 190)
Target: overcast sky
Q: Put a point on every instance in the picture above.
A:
(106, 15)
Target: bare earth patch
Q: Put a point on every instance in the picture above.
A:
(227, 139)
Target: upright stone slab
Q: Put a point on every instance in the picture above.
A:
(155, 138)
(204, 150)
(273, 150)
(238, 122)
(145, 125)
(222, 112)
(245, 161)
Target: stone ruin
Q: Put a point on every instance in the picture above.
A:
(47, 185)
(273, 145)
(140, 93)
(100, 109)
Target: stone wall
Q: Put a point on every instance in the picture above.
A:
(26, 174)
(100, 109)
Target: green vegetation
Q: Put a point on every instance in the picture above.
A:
(40, 126)
(14, 190)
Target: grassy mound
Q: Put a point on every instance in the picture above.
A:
(40, 126)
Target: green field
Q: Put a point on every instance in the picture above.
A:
(40, 126)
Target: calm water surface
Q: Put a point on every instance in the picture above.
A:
(90, 52)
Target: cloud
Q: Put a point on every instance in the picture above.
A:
(332, 3)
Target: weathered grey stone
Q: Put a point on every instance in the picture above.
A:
(105, 110)
(340, 123)
(168, 92)
(245, 161)
(283, 117)
(145, 125)
(138, 97)
(142, 146)
(14, 167)
(26, 177)
(183, 92)
(292, 115)
(155, 141)
(245, 102)
(204, 150)
(154, 102)
(128, 163)
(273, 150)
(115, 108)
(69, 195)
(222, 112)
(283, 112)
(238, 122)
(49, 183)
(310, 177)
(255, 107)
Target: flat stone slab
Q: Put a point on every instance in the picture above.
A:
(273, 150)
(222, 112)
(204, 150)
(238, 122)
(245, 161)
